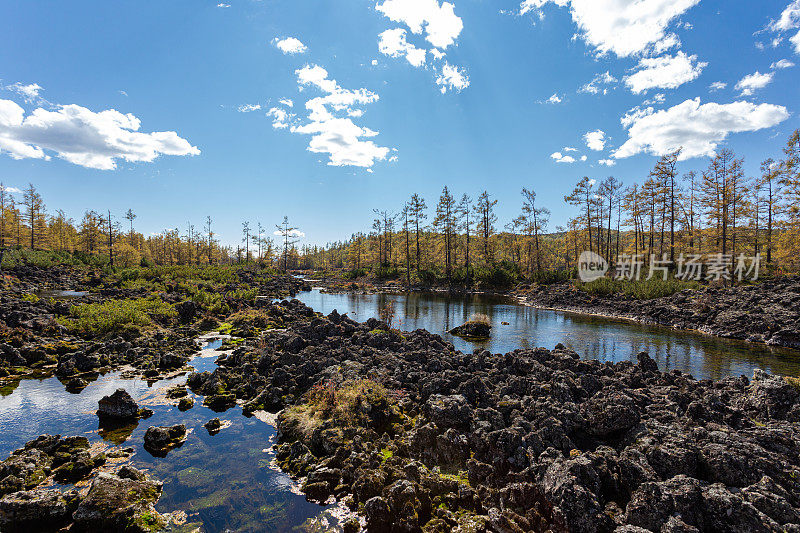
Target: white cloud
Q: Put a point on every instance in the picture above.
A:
(223, 5)
(789, 20)
(668, 42)
(624, 27)
(583, 158)
(290, 45)
(595, 140)
(287, 102)
(607, 162)
(439, 21)
(247, 108)
(554, 99)
(561, 158)
(280, 117)
(13, 190)
(593, 87)
(330, 123)
(292, 233)
(717, 86)
(393, 43)
(783, 63)
(439, 25)
(83, 137)
(665, 72)
(752, 82)
(796, 42)
(29, 92)
(697, 128)
(452, 78)
(570, 149)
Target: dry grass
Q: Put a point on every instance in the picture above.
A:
(479, 318)
(347, 404)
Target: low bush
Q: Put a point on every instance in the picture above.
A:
(386, 272)
(500, 275)
(355, 273)
(427, 276)
(116, 316)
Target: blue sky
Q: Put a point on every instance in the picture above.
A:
(388, 98)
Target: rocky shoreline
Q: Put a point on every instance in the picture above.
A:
(766, 312)
(416, 436)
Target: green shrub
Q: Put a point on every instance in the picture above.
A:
(502, 274)
(355, 273)
(115, 316)
(640, 290)
(386, 272)
(427, 276)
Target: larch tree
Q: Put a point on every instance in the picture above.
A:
(289, 235)
(665, 173)
(417, 212)
(246, 240)
(34, 213)
(582, 197)
(609, 191)
(404, 214)
(690, 208)
(130, 216)
(535, 222)
(770, 181)
(209, 240)
(465, 208)
(486, 220)
(445, 224)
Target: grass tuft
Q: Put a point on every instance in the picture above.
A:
(639, 290)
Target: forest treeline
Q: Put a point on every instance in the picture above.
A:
(100, 237)
(715, 210)
(459, 239)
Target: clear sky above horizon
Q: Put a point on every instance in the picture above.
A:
(322, 111)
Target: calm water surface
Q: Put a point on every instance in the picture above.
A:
(223, 482)
(604, 339)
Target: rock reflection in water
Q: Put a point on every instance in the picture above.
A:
(592, 337)
(222, 482)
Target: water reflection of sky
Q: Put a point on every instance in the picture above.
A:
(703, 356)
(224, 482)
